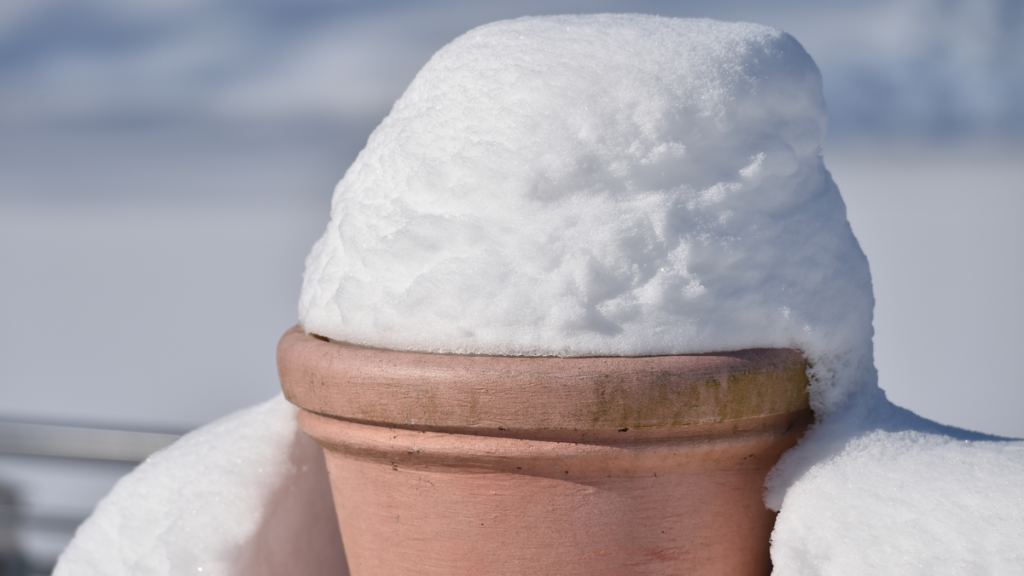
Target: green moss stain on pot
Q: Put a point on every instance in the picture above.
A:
(758, 393)
(618, 407)
(718, 398)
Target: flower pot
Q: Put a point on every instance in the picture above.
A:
(452, 465)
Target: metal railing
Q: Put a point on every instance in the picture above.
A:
(54, 441)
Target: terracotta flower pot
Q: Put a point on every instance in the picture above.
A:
(452, 465)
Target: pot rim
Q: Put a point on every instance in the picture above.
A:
(422, 390)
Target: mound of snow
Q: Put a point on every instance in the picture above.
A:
(247, 494)
(876, 489)
(600, 185)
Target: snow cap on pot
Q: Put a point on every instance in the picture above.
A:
(601, 185)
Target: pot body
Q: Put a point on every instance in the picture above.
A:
(476, 465)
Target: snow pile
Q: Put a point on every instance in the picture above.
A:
(877, 489)
(622, 185)
(247, 494)
(600, 185)
(906, 503)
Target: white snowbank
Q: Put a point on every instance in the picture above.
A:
(600, 185)
(597, 185)
(877, 489)
(245, 495)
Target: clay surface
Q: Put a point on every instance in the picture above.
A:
(469, 465)
(537, 393)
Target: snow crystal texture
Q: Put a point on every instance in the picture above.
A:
(876, 489)
(600, 185)
(246, 495)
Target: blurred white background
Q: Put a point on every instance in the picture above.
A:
(165, 166)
